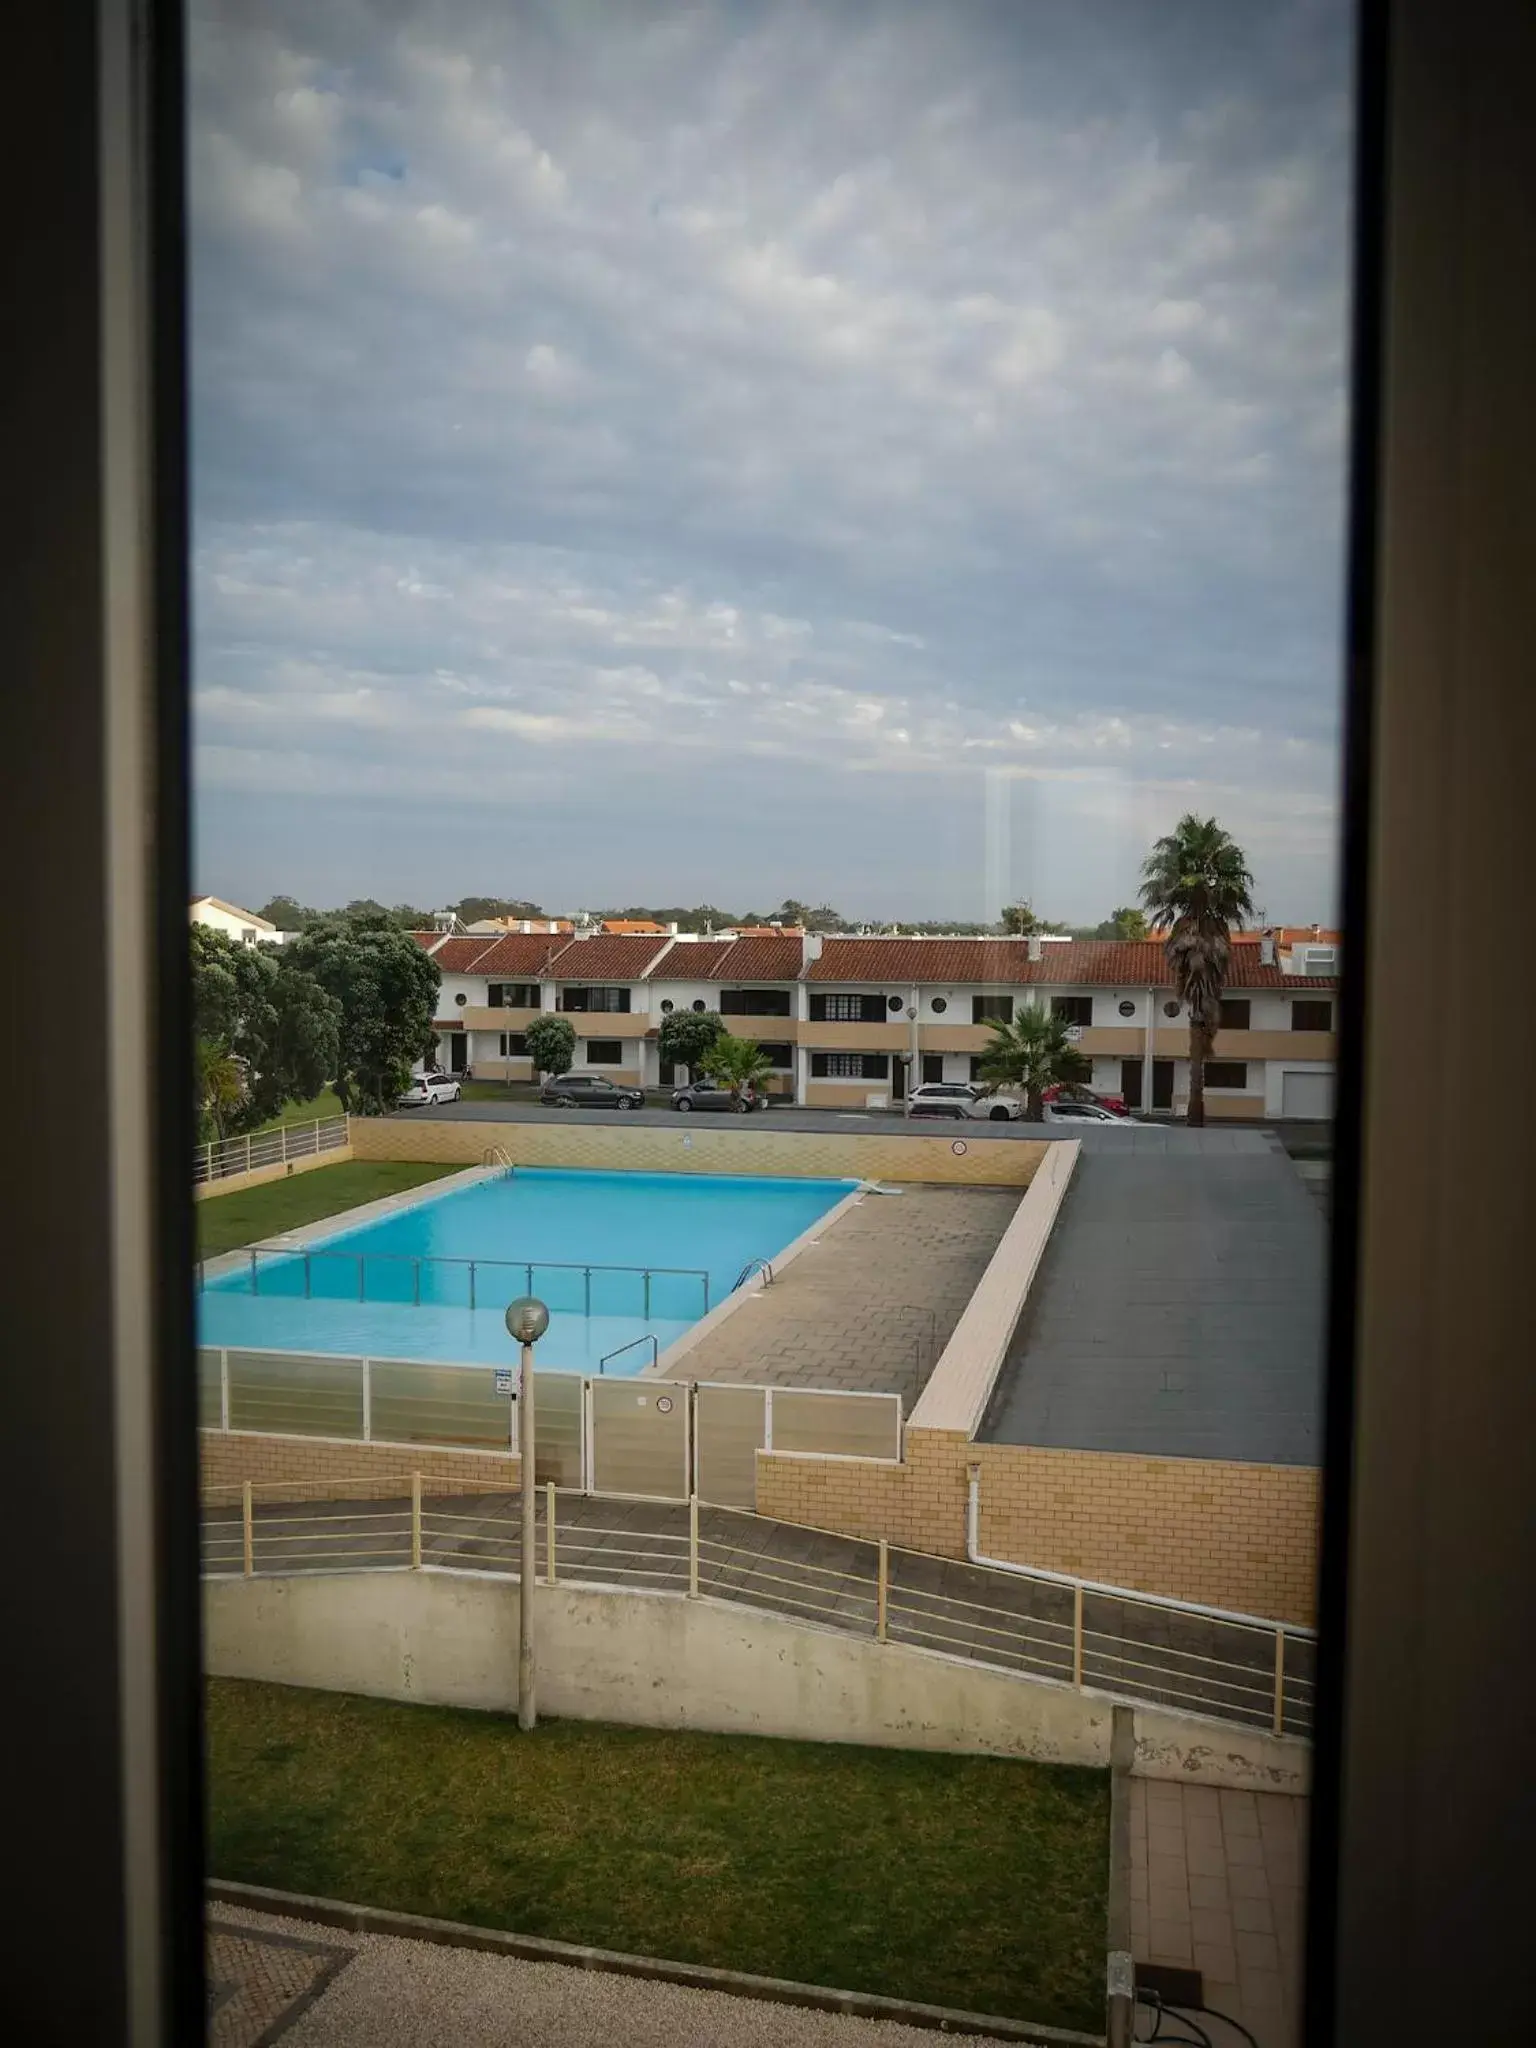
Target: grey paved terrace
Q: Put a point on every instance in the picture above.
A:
(1178, 1310)
(872, 1305)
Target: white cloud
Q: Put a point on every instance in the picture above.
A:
(541, 373)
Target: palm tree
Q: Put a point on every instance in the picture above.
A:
(737, 1064)
(1196, 882)
(1033, 1053)
(220, 1086)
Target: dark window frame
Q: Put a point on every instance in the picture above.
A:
(597, 1049)
(1215, 1067)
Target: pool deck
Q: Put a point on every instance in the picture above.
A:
(868, 1307)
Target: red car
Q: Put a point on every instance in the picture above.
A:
(1113, 1103)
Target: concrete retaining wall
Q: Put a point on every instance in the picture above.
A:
(746, 1145)
(663, 1661)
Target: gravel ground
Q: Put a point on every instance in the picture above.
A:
(414, 1994)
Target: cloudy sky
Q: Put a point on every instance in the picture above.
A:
(884, 454)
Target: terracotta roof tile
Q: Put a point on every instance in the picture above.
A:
(520, 956)
(426, 940)
(608, 956)
(757, 958)
(458, 956)
(693, 960)
(1076, 963)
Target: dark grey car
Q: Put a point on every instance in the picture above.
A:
(706, 1095)
(590, 1091)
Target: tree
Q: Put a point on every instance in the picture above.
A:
(737, 1064)
(475, 909)
(1125, 923)
(1033, 1053)
(385, 991)
(1196, 880)
(686, 1038)
(218, 1089)
(1020, 921)
(551, 1044)
(260, 1006)
(286, 914)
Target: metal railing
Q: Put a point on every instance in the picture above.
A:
(595, 1433)
(289, 1271)
(633, 1345)
(873, 1589)
(763, 1266)
(229, 1156)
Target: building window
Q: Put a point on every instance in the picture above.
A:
(893, 1002)
(780, 1057)
(1235, 1012)
(666, 1007)
(1170, 1009)
(698, 1003)
(605, 1052)
(938, 1006)
(1073, 1009)
(461, 999)
(987, 1009)
(847, 1009)
(976, 1059)
(1127, 1008)
(754, 1002)
(850, 1066)
(514, 1045)
(513, 995)
(591, 1001)
(1311, 1016)
(1226, 1073)
(933, 1066)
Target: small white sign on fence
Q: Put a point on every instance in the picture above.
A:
(503, 1380)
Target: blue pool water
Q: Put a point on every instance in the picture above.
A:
(616, 1256)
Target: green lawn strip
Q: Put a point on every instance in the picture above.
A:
(325, 1104)
(964, 1881)
(251, 1214)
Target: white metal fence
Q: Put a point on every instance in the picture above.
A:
(1130, 1645)
(642, 1438)
(230, 1156)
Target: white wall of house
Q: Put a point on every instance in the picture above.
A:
(243, 926)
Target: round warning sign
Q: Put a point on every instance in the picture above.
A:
(663, 1404)
(959, 1146)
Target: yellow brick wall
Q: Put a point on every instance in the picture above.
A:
(1226, 1534)
(232, 1183)
(368, 1471)
(695, 1148)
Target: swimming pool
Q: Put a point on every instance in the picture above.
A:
(616, 1256)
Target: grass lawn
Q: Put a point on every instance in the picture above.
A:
(225, 1222)
(323, 1104)
(967, 1881)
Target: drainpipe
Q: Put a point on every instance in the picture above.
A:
(1146, 1053)
(975, 1555)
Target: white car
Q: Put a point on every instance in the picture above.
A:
(428, 1090)
(1085, 1113)
(962, 1099)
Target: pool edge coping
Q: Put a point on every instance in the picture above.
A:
(662, 1368)
(344, 1220)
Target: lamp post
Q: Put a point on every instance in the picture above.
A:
(914, 1060)
(527, 1319)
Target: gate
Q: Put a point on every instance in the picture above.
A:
(638, 1438)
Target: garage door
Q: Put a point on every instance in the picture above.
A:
(1306, 1095)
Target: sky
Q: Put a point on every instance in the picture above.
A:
(886, 455)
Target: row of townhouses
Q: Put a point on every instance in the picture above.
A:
(855, 1022)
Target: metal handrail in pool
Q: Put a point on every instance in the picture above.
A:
(648, 1338)
(528, 1267)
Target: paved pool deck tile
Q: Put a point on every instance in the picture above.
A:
(1217, 1886)
(870, 1307)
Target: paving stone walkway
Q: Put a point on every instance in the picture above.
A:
(1216, 1886)
(872, 1305)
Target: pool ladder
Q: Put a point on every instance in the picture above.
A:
(752, 1266)
(602, 1363)
(496, 1155)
